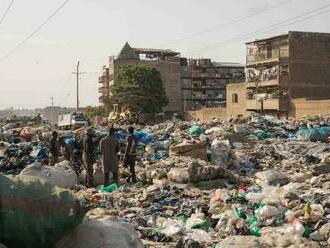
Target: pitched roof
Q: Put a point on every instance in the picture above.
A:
(127, 52)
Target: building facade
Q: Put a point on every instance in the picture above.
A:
(189, 84)
(166, 61)
(104, 88)
(204, 82)
(282, 69)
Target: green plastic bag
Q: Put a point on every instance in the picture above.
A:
(195, 130)
(252, 220)
(255, 231)
(203, 225)
(109, 188)
(239, 213)
(182, 219)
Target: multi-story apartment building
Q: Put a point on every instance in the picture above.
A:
(104, 88)
(204, 82)
(282, 69)
(166, 61)
(189, 84)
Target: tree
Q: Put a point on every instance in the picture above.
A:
(139, 89)
(94, 111)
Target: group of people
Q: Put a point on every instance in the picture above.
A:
(109, 147)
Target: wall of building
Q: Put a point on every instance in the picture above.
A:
(303, 107)
(239, 107)
(170, 71)
(205, 114)
(309, 65)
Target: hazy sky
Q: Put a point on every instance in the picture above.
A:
(92, 30)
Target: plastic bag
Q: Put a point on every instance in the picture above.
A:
(267, 212)
(195, 130)
(109, 188)
(200, 236)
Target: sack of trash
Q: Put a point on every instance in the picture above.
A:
(196, 172)
(35, 213)
(271, 178)
(220, 152)
(61, 175)
(105, 232)
(195, 150)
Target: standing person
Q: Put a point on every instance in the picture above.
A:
(2, 135)
(65, 148)
(53, 149)
(130, 154)
(89, 156)
(109, 147)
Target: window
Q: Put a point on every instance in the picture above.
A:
(234, 98)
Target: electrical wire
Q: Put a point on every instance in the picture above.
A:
(34, 32)
(301, 17)
(226, 24)
(6, 12)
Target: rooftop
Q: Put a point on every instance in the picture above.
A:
(128, 52)
(228, 64)
(315, 35)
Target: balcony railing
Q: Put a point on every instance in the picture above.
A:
(267, 56)
(279, 104)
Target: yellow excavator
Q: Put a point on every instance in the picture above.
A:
(115, 115)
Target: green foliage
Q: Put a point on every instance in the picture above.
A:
(94, 111)
(139, 89)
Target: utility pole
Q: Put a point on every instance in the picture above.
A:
(77, 73)
(52, 99)
(78, 86)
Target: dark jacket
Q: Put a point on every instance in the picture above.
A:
(53, 147)
(130, 153)
(88, 148)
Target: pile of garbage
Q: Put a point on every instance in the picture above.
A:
(244, 182)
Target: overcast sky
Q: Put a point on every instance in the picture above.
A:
(92, 30)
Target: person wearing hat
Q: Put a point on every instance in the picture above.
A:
(53, 149)
(89, 156)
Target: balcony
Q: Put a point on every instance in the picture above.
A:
(272, 82)
(278, 104)
(263, 58)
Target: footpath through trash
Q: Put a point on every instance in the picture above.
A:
(243, 182)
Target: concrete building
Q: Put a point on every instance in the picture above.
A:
(283, 74)
(104, 89)
(204, 82)
(166, 61)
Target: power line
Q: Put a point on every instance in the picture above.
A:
(6, 12)
(226, 24)
(269, 28)
(34, 32)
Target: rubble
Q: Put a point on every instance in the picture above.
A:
(245, 182)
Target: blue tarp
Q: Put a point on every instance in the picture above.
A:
(314, 134)
(39, 153)
(142, 137)
(69, 140)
